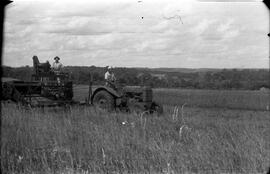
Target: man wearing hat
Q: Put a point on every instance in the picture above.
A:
(110, 77)
(57, 66)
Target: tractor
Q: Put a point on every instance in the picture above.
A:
(49, 88)
(129, 98)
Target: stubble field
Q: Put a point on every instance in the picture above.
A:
(198, 138)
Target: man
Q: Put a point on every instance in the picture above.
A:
(110, 78)
(57, 66)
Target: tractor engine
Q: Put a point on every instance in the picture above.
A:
(140, 94)
(138, 97)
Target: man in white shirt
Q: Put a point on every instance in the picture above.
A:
(57, 66)
(110, 78)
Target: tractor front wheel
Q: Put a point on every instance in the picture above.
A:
(104, 100)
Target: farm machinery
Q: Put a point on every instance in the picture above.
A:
(48, 88)
(129, 98)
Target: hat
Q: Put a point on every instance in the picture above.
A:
(109, 67)
(56, 58)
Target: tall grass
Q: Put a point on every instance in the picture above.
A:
(86, 140)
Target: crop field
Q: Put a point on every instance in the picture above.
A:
(230, 99)
(204, 138)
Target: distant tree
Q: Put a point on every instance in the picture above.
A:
(224, 79)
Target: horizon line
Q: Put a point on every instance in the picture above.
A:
(141, 67)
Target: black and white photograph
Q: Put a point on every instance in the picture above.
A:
(135, 87)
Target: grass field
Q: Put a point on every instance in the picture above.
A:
(204, 137)
(86, 140)
(231, 99)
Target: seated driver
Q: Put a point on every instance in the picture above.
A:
(110, 77)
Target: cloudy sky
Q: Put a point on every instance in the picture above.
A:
(138, 33)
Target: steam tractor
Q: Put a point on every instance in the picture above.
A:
(48, 88)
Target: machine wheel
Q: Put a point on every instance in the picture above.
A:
(156, 108)
(104, 100)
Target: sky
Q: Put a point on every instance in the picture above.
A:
(138, 33)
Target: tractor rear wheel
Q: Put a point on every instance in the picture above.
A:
(104, 100)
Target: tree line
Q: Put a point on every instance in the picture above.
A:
(248, 79)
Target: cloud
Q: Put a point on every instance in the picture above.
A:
(202, 26)
(225, 26)
(231, 34)
(215, 30)
(182, 7)
(99, 32)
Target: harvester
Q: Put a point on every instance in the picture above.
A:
(48, 88)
